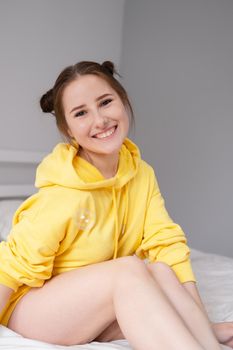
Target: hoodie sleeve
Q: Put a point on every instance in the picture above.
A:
(28, 254)
(163, 240)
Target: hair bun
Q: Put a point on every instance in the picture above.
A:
(46, 102)
(109, 66)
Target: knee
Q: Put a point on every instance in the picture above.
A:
(160, 269)
(131, 266)
(132, 261)
(163, 274)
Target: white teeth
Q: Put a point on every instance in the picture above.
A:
(105, 134)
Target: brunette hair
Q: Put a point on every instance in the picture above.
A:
(51, 101)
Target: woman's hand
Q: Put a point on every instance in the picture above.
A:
(224, 333)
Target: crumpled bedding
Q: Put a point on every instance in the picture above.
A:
(215, 283)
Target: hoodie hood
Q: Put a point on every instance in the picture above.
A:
(64, 168)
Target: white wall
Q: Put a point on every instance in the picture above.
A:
(177, 64)
(38, 39)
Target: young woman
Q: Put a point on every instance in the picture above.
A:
(72, 269)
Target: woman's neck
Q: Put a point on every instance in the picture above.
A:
(106, 164)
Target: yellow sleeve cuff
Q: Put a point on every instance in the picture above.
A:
(184, 271)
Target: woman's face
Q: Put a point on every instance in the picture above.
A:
(95, 115)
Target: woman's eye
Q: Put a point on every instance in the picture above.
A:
(79, 114)
(106, 102)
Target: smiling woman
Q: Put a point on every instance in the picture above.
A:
(91, 105)
(71, 270)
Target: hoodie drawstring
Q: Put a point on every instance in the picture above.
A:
(116, 231)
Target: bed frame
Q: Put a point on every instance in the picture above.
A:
(18, 158)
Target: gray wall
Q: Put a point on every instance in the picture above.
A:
(178, 66)
(38, 39)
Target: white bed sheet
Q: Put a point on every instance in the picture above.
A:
(215, 283)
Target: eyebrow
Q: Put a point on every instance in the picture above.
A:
(98, 98)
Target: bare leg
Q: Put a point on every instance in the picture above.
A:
(154, 317)
(91, 298)
(194, 318)
(112, 332)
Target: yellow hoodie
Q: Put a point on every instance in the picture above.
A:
(79, 218)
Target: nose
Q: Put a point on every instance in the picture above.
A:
(100, 120)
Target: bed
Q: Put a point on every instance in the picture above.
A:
(214, 272)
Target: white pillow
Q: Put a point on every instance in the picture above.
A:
(7, 210)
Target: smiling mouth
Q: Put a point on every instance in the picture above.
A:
(106, 134)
